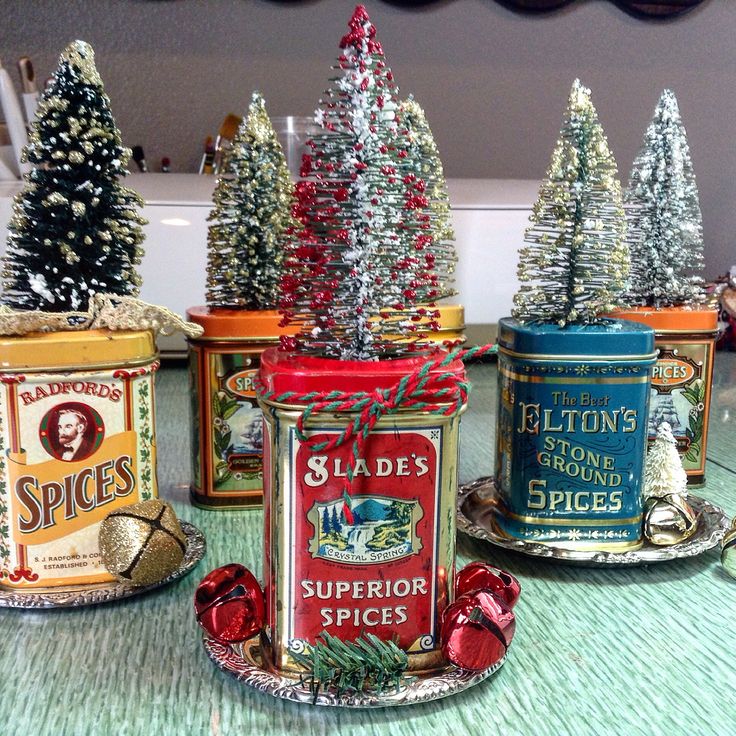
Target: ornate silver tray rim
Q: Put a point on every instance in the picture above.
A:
(712, 525)
(88, 595)
(241, 662)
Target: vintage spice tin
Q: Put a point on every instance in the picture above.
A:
(77, 441)
(227, 434)
(682, 378)
(450, 331)
(380, 559)
(571, 436)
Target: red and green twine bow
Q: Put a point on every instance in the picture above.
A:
(443, 393)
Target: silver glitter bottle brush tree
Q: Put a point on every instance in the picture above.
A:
(666, 283)
(245, 245)
(367, 256)
(77, 427)
(573, 386)
(362, 470)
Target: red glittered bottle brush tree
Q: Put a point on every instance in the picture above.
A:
(365, 264)
(362, 411)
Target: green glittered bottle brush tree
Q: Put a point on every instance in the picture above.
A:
(75, 231)
(664, 213)
(575, 261)
(251, 215)
(364, 265)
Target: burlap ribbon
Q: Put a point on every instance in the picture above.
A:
(105, 311)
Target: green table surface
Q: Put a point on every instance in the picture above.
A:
(647, 650)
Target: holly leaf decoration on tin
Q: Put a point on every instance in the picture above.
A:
(367, 664)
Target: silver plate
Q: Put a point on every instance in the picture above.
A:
(243, 661)
(476, 511)
(89, 595)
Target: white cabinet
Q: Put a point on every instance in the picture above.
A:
(489, 216)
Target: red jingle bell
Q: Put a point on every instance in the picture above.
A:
(479, 576)
(229, 604)
(477, 629)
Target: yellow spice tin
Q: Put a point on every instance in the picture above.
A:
(77, 440)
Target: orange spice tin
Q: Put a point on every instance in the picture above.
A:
(682, 378)
(227, 431)
(77, 441)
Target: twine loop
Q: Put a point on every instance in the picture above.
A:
(441, 394)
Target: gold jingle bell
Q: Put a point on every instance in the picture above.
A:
(669, 520)
(728, 551)
(143, 543)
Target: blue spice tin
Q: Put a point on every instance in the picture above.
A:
(572, 432)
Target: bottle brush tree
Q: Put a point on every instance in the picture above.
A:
(364, 265)
(663, 471)
(75, 231)
(575, 262)
(426, 157)
(251, 216)
(664, 212)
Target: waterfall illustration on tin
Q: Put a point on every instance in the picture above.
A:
(382, 529)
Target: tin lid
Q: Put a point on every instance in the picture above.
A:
(449, 316)
(611, 339)
(283, 371)
(673, 319)
(52, 351)
(238, 323)
(452, 316)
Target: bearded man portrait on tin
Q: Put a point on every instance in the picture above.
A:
(74, 442)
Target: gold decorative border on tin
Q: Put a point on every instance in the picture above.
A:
(572, 521)
(225, 340)
(694, 334)
(539, 357)
(88, 368)
(524, 378)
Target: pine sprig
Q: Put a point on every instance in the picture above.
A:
(367, 664)
(575, 262)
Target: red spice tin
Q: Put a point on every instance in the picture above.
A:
(380, 559)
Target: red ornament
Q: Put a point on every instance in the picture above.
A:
(477, 630)
(229, 604)
(478, 576)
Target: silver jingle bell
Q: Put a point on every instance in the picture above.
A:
(669, 520)
(728, 551)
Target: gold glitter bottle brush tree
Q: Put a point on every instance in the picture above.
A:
(249, 221)
(573, 386)
(450, 317)
(77, 425)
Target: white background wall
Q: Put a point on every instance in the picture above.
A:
(489, 218)
(493, 82)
